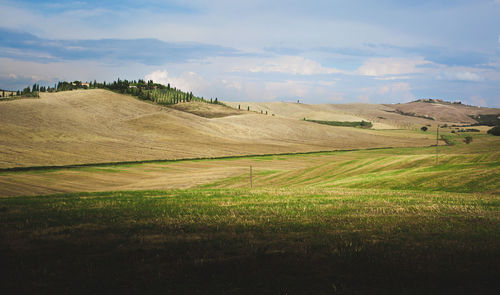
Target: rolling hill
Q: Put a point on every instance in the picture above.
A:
(389, 116)
(94, 126)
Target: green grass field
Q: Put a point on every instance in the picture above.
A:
(358, 222)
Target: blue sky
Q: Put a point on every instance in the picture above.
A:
(382, 51)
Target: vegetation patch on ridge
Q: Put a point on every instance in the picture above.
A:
(362, 124)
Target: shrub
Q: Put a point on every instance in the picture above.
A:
(448, 140)
(494, 131)
(468, 139)
(423, 128)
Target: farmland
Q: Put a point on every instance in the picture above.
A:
(99, 126)
(345, 222)
(250, 147)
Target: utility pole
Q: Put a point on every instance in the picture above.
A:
(251, 183)
(437, 143)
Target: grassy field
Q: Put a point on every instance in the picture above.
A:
(461, 168)
(285, 241)
(383, 221)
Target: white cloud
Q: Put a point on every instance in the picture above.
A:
(188, 81)
(364, 99)
(400, 90)
(478, 101)
(232, 84)
(388, 78)
(326, 83)
(460, 76)
(287, 88)
(391, 66)
(392, 92)
(296, 65)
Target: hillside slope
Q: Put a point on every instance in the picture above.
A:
(445, 112)
(390, 116)
(92, 126)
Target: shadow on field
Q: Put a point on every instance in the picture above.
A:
(63, 268)
(241, 242)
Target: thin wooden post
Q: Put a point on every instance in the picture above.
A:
(437, 143)
(251, 182)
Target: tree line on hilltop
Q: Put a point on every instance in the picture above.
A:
(155, 92)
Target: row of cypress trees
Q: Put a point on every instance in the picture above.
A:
(155, 92)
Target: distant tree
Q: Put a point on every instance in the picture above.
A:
(468, 139)
(3, 93)
(365, 124)
(239, 107)
(423, 128)
(168, 86)
(248, 108)
(18, 93)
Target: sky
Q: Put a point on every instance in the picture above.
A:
(384, 51)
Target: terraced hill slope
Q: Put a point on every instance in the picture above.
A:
(93, 126)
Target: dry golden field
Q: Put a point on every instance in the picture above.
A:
(445, 112)
(95, 126)
(382, 116)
